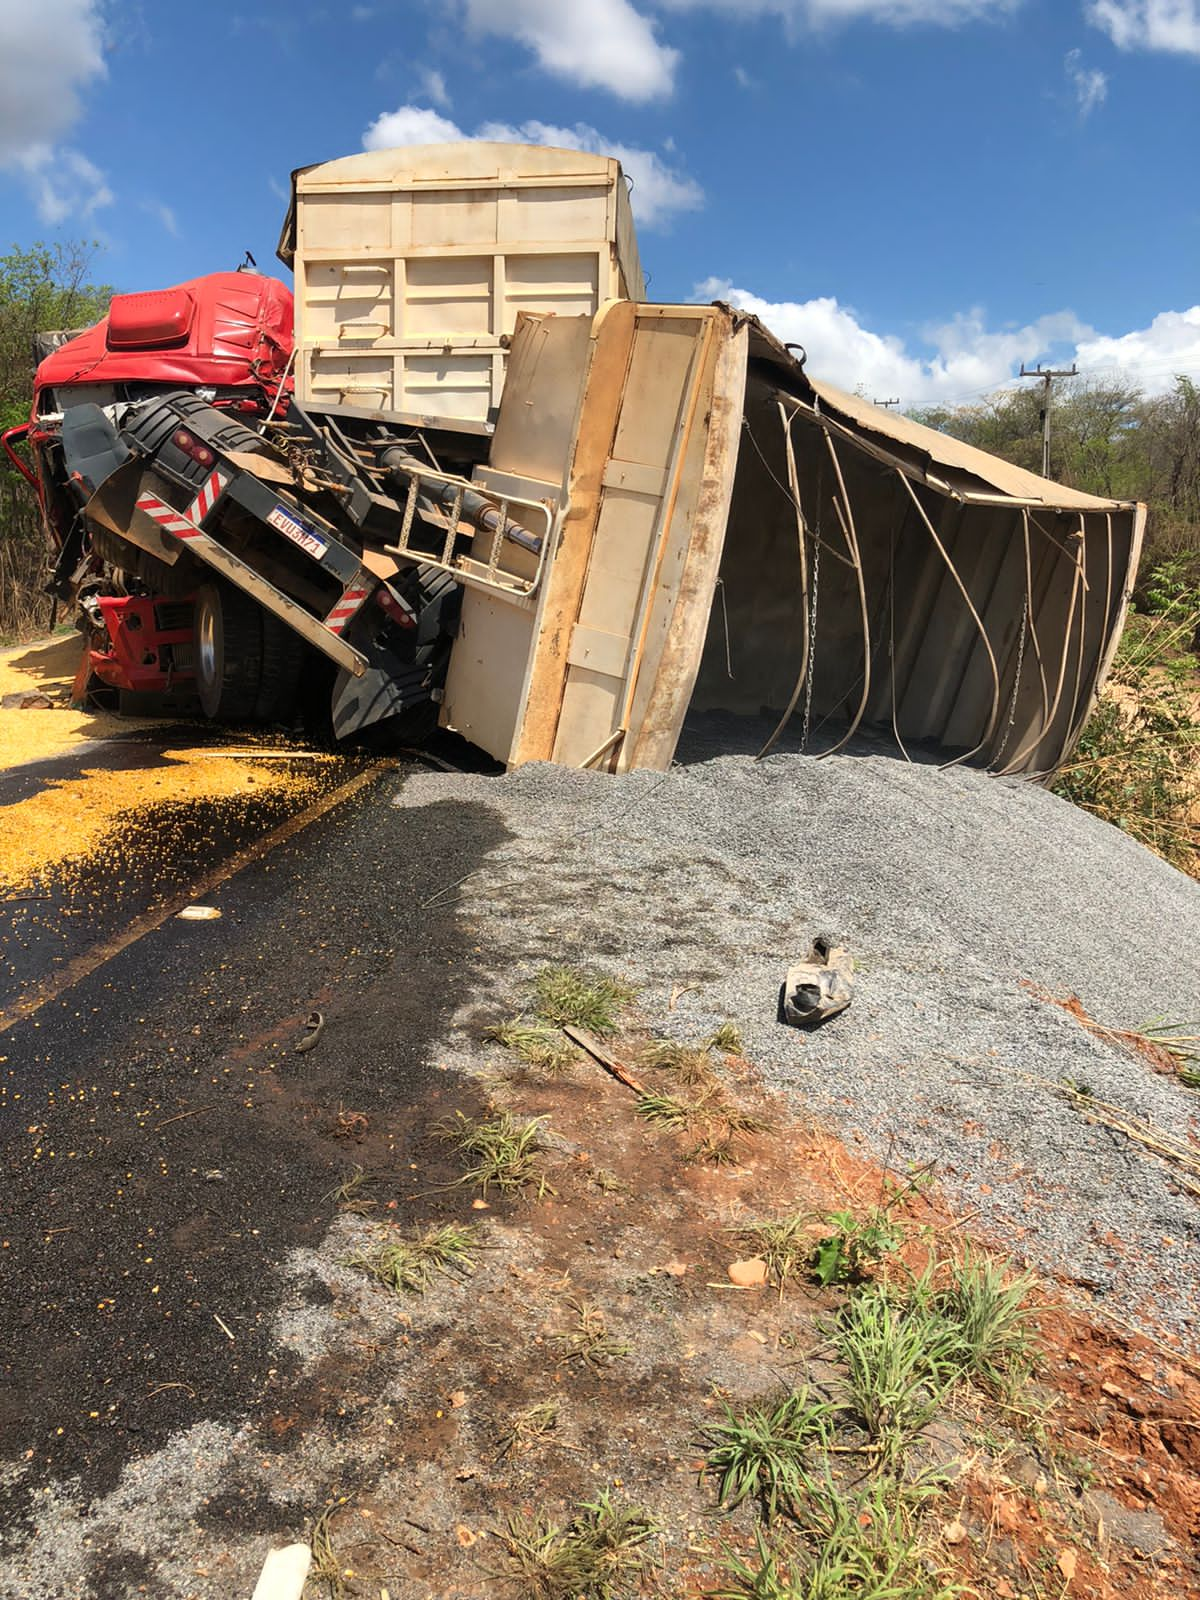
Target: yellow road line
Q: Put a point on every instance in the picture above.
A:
(84, 965)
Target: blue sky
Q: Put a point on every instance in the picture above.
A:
(923, 192)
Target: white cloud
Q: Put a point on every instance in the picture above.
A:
(963, 358)
(50, 51)
(830, 13)
(433, 85)
(614, 44)
(1170, 25)
(165, 215)
(1151, 356)
(1089, 83)
(65, 184)
(410, 125)
(659, 194)
(597, 44)
(966, 358)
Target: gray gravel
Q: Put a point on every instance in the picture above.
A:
(950, 888)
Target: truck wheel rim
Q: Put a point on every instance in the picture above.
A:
(207, 632)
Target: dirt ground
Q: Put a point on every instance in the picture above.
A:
(1104, 1463)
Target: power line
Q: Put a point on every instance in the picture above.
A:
(1047, 375)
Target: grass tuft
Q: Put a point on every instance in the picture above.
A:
(867, 1544)
(588, 1339)
(1181, 1042)
(665, 1053)
(349, 1195)
(598, 1555)
(784, 1244)
(664, 1110)
(901, 1359)
(607, 1181)
(738, 1121)
(528, 1428)
(408, 1266)
(691, 1064)
(715, 1150)
(326, 1565)
(863, 1544)
(580, 999)
(761, 1453)
(766, 1579)
(538, 1044)
(505, 1151)
(986, 1310)
(727, 1039)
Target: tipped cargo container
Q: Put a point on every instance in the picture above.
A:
(732, 536)
(663, 515)
(412, 266)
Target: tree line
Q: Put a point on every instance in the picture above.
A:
(42, 288)
(1111, 439)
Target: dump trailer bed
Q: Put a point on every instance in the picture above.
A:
(736, 536)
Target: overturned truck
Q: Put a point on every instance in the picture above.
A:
(485, 485)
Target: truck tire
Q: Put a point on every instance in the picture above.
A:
(282, 661)
(229, 652)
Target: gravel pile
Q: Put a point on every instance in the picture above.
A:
(950, 888)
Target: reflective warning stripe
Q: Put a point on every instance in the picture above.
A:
(167, 517)
(184, 524)
(208, 496)
(347, 607)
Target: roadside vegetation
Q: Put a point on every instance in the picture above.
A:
(1138, 762)
(838, 1478)
(597, 1555)
(41, 288)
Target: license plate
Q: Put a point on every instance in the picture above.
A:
(298, 532)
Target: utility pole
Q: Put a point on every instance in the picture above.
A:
(886, 403)
(1047, 375)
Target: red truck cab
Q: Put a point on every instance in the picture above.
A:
(227, 337)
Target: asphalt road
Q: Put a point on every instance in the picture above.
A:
(162, 1144)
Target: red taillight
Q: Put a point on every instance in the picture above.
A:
(191, 446)
(396, 609)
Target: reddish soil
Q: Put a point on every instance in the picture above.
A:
(1093, 1489)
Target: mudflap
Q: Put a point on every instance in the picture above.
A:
(398, 695)
(395, 689)
(389, 689)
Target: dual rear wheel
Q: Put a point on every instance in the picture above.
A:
(248, 663)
